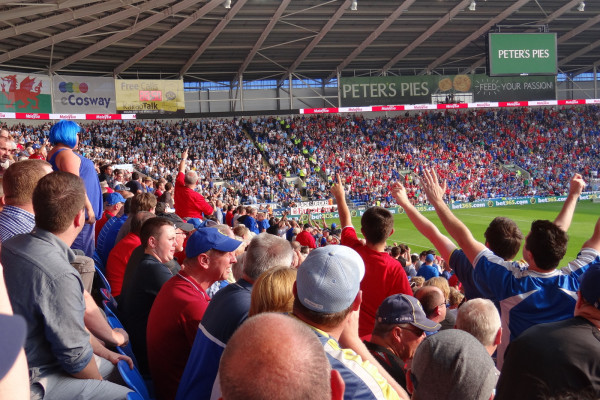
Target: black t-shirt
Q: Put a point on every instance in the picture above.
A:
(392, 363)
(552, 359)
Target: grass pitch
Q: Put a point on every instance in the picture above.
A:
(586, 215)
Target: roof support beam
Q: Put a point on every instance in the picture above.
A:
(82, 29)
(573, 32)
(168, 35)
(141, 25)
(38, 9)
(549, 18)
(263, 36)
(469, 39)
(70, 15)
(213, 35)
(579, 52)
(425, 35)
(371, 38)
(338, 14)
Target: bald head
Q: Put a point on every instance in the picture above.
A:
(433, 301)
(289, 363)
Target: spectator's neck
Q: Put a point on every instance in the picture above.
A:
(27, 207)
(378, 247)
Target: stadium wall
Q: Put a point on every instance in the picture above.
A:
(258, 100)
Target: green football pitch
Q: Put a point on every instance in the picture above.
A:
(477, 220)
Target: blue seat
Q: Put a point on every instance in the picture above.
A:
(114, 322)
(134, 396)
(99, 263)
(108, 297)
(133, 379)
(103, 280)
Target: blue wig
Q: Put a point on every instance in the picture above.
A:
(64, 132)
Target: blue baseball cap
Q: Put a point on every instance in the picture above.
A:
(114, 198)
(405, 309)
(333, 226)
(206, 239)
(429, 257)
(329, 279)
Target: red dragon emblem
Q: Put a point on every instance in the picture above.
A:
(27, 94)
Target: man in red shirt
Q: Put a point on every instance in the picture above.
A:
(180, 305)
(305, 238)
(188, 202)
(384, 275)
(38, 152)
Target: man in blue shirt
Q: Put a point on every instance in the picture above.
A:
(18, 183)
(532, 293)
(428, 270)
(47, 291)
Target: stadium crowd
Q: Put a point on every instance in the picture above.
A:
(484, 153)
(195, 278)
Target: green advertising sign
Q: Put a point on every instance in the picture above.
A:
(522, 54)
(388, 90)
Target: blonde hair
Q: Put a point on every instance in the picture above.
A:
(441, 283)
(455, 298)
(272, 291)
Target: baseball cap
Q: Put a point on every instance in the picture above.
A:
(590, 285)
(206, 239)
(429, 257)
(329, 279)
(114, 198)
(462, 368)
(178, 222)
(36, 146)
(12, 339)
(405, 309)
(333, 226)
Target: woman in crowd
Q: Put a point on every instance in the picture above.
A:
(64, 136)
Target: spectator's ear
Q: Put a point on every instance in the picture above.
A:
(498, 338)
(2, 202)
(357, 301)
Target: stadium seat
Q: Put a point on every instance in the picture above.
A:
(114, 322)
(134, 379)
(134, 396)
(103, 281)
(107, 296)
(99, 263)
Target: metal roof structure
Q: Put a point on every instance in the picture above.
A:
(273, 39)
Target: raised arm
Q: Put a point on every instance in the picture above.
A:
(184, 157)
(564, 218)
(459, 231)
(337, 190)
(594, 241)
(441, 242)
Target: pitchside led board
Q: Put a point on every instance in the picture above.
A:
(423, 89)
(522, 54)
(149, 96)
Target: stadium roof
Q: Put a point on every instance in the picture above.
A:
(271, 39)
